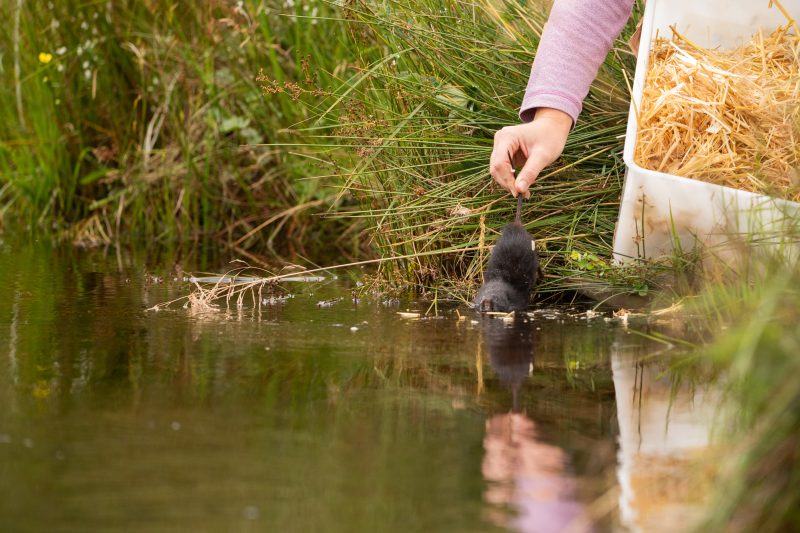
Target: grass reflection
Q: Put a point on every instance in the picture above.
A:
(289, 421)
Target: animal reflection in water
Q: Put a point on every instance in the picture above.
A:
(523, 473)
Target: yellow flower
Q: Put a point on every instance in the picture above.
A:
(575, 256)
(44, 57)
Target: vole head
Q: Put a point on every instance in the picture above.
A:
(498, 296)
(494, 302)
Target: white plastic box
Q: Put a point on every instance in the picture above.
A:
(662, 213)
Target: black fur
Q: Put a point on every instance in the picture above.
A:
(511, 347)
(512, 271)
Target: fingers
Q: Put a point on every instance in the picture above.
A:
(534, 145)
(505, 146)
(533, 166)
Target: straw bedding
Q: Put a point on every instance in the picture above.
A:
(729, 117)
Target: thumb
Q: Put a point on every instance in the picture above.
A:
(530, 171)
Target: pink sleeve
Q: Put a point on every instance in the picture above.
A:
(576, 40)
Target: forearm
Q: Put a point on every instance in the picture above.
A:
(576, 40)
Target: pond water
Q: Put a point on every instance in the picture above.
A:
(344, 417)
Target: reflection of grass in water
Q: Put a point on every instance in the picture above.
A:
(319, 419)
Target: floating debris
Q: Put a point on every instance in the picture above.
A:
(307, 279)
(674, 308)
(251, 512)
(500, 314)
(276, 300)
(546, 313)
(225, 280)
(622, 315)
(406, 314)
(328, 303)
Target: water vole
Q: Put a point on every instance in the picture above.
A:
(512, 271)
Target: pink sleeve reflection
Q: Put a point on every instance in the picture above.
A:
(530, 477)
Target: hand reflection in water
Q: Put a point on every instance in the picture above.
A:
(523, 473)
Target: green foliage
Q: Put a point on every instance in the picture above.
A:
(745, 325)
(760, 488)
(420, 117)
(141, 119)
(237, 121)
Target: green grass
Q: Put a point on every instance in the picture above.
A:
(759, 486)
(144, 122)
(237, 122)
(437, 79)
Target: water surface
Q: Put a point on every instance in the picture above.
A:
(301, 417)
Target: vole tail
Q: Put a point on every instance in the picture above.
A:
(518, 217)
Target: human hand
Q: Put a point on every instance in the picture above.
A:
(532, 146)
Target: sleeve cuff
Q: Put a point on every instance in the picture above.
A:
(556, 100)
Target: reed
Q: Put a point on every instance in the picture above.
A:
(418, 119)
(139, 121)
(149, 121)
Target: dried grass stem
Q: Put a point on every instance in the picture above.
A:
(729, 117)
